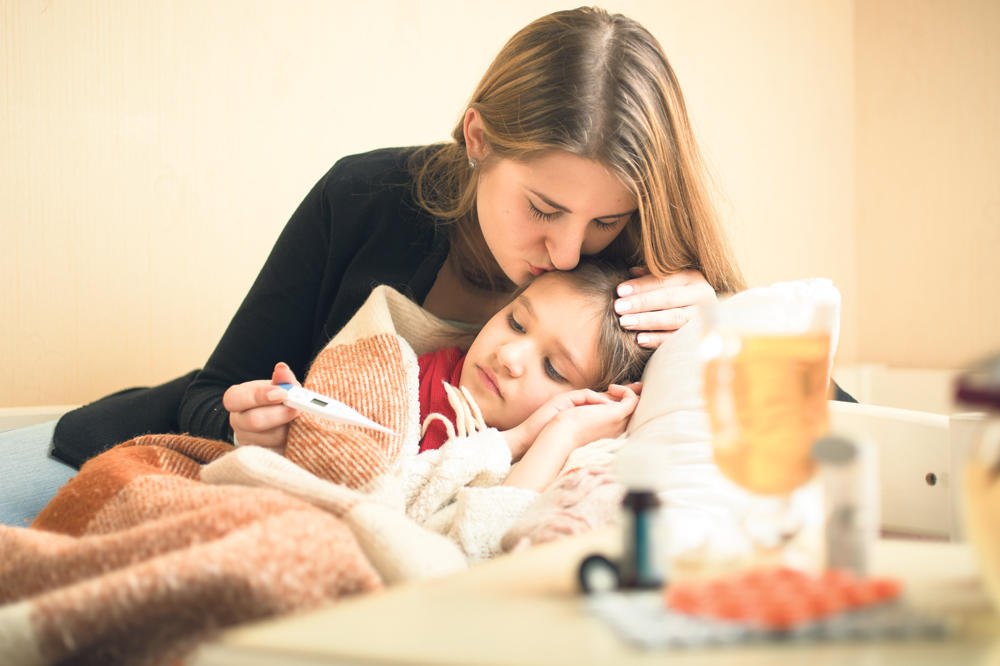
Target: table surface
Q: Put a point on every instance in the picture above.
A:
(524, 609)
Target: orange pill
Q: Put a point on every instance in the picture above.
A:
(684, 598)
(885, 589)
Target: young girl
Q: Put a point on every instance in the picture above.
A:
(550, 372)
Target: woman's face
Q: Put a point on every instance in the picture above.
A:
(542, 215)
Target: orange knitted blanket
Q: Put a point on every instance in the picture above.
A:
(165, 539)
(136, 560)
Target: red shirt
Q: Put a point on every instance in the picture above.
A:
(443, 365)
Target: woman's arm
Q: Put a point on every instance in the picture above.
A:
(274, 323)
(356, 228)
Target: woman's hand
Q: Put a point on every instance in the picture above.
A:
(588, 416)
(656, 307)
(256, 412)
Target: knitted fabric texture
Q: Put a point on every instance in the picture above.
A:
(369, 374)
(136, 560)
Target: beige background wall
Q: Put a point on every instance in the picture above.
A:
(150, 153)
(928, 180)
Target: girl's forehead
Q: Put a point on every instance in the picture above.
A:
(556, 297)
(555, 284)
(568, 319)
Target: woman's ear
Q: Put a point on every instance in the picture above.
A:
(475, 135)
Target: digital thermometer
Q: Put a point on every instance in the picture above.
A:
(327, 408)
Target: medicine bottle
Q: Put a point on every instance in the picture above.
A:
(643, 553)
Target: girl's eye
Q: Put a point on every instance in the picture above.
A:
(551, 372)
(605, 226)
(536, 213)
(516, 327)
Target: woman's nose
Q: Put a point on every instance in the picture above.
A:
(564, 246)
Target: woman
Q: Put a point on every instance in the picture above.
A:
(576, 142)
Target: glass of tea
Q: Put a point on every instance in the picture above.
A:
(767, 372)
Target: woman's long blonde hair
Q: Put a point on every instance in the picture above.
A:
(599, 86)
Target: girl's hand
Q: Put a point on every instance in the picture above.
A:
(256, 412)
(522, 436)
(595, 420)
(597, 415)
(656, 307)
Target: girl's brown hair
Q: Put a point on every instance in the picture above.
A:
(599, 86)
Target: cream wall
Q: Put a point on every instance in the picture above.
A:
(928, 181)
(150, 152)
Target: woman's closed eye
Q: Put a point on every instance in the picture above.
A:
(513, 323)
(540, 214)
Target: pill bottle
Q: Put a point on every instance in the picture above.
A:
(644, 559)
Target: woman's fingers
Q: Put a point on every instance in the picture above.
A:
(658, 320)
(256, 413)
(653, 339)
(263, 426)
(654, 306)
(283, 375)
(257, 393)
(651, 293)
(262, 419)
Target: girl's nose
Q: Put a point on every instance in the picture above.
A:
(511, 356)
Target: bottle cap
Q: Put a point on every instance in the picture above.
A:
(834, 449)
(980, 386)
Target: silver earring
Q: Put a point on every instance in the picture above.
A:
(472, 163)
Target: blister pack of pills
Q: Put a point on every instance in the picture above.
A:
(778, 605)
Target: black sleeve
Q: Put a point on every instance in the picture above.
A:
(840, 394)
(355, 229)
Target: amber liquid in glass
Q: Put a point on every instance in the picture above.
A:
(767, 405)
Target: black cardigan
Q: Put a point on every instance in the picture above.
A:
(357, 228)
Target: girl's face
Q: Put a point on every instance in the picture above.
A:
(542, 215)
(542, 344)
